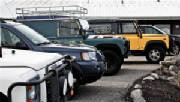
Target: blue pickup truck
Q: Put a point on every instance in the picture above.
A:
(90, 64)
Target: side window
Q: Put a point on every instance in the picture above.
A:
(150, 30)
(10, 40)
(102, 28)
(69, 28)
(128, 28)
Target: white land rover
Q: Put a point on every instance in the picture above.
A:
(27, 76)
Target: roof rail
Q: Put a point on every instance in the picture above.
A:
(3, 20)
(52, 11)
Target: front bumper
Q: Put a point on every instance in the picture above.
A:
(92, 70)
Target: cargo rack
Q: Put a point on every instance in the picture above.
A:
(72, 11)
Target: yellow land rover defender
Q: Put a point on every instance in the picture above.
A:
(153, 46)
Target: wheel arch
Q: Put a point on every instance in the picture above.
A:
(111, 47)
(155, 43)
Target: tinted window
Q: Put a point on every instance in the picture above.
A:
(128, 28)
(10, 40)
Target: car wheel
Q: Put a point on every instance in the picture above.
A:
(175, 49)
(155, 54)
(113, 61)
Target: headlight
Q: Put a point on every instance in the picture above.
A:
(88, 56)
(31, 94)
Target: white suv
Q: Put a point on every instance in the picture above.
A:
(43, 77)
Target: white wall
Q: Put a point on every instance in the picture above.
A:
(102, 8)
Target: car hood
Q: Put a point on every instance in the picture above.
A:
(67, 47)
(35, 60)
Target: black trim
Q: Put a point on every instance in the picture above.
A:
(156, 42)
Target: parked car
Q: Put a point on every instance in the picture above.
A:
(88, 67)
(148, 29)
(74, 30)
(153, 46)
(28, 76)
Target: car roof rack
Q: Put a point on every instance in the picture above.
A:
(51, 12)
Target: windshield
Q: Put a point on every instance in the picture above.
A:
(32, 35)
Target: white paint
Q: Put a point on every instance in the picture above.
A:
(36, 60)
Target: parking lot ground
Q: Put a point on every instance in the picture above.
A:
(113, 88)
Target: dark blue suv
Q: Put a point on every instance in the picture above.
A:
(90, 64)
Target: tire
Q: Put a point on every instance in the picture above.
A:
(78, 73)
(175, 49)
(113, 61)
(155, 54)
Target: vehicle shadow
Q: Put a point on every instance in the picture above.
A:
(136, 62)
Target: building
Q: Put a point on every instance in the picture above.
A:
(162, 13)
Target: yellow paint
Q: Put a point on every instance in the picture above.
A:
(137, 43)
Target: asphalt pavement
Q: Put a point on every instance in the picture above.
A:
(114, 88)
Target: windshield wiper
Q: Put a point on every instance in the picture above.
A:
(43, 43)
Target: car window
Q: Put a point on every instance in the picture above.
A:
(104, 28)
(128, 28)
(150, 30)
(69, 28)
(10, 40)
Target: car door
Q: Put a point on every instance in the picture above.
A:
(129, 31)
